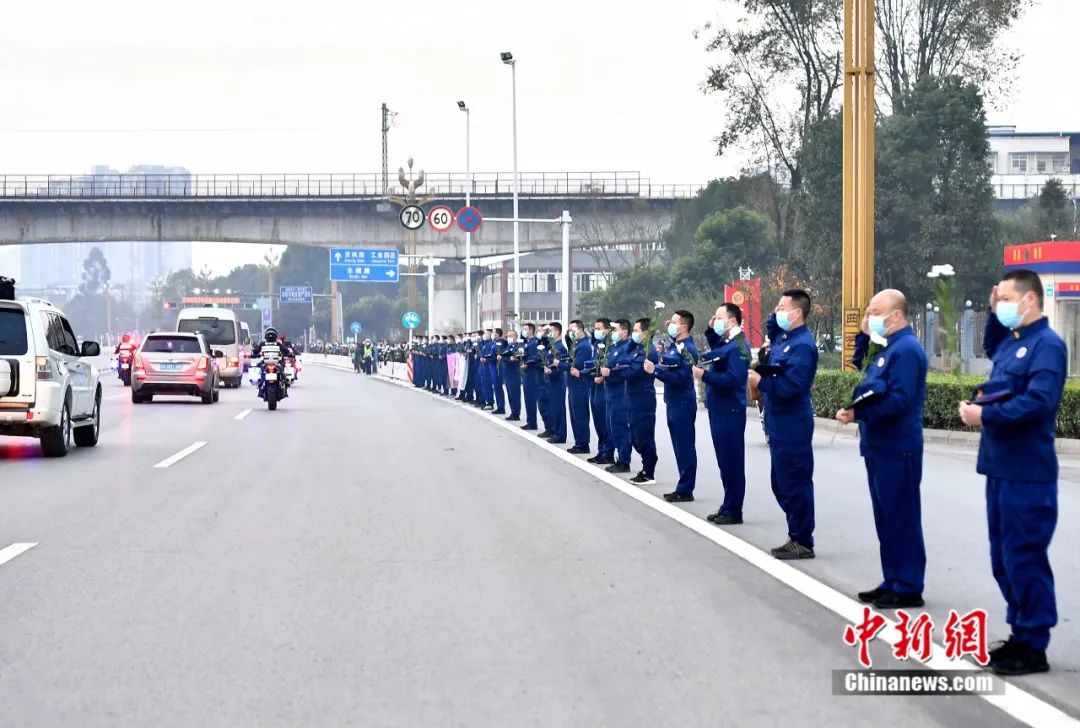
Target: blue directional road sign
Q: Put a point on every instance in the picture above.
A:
(411, 320)
(294, 294)
(355, 327)
(374, 265)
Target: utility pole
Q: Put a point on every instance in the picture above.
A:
(411, 184)
(858, 278)
(385, 151)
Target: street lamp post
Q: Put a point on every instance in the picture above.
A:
(509, 60)
(468, 235)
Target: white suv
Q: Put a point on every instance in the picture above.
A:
(47, 390)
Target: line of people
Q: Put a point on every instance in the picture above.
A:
(610, 370)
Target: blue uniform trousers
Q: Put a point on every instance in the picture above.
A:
(497, 382)
(542, 401)
(643, 434)
(894, 494)
(484, 382)
(792, 476)
(727, 424)
(1022, 516)
(618, 421)
(531, 385)
(512, 380)
(681, 414)
(417, 372)
(578, 395)
(556, 408)
(598, 404)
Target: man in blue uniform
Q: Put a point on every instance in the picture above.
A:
(484, 352)
(1017, 414)
(556, 373)
(676, 370)
(498, 348)
(888, 405)
(418, 367)
(789, 421)
(641, 401)
(578, 386)
(605, 451)
(725, 399)
(534, 372)
(614, 375)
(542, 399)
(511, 362)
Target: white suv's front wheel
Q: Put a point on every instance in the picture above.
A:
(56, 441)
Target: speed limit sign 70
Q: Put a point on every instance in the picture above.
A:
(441, 218)
(412, 217)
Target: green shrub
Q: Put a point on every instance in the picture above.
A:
(943, 391)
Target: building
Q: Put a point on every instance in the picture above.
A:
(1022, 162)
(1058, 265)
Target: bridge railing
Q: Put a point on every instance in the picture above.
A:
(352, 185)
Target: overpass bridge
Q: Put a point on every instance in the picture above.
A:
(609, 209)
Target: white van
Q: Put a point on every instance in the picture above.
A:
(221, 329)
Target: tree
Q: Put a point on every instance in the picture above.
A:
(725, 241)
(1054, 211)
(96, 273)
(918, 39)
(756, 192)
(934, 199)
(631, 295)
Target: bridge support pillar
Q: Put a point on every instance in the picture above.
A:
(448, 306)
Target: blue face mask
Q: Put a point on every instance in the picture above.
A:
(720, 327)
(876, 324)
(636, 337)
(672, 330)
(615, 336)
(598, 335)
(783, 320)
(1008, 313)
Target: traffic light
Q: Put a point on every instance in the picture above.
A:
(167, 305)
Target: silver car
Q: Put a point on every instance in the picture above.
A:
(175, 363)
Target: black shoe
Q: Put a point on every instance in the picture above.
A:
(618, 468)
(1002, 650)
(557, 442)
(642, 479)
(498, 412)
(546, 434)
(511, 418)
(528, 427)
(723, 519)
(578, 450)
(1021, 660)
(679, 496)
(892, 600)
(869, 597)
(793, 550)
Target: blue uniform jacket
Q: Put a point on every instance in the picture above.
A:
(725, 378)
(1018, 433)
(892, 422)
(559, 373)
(674, 371)
(640, 386)
(789, 414)
(583, 359)
(532, 354)
(618, 361)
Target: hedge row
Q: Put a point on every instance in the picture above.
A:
(943, 392)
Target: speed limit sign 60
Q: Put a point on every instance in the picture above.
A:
(441, 218)
(412, 217)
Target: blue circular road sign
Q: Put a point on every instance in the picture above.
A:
(356, 328)
(469, 219)
(411, 320)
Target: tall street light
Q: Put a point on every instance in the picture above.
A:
(468, 236)
(508, 59)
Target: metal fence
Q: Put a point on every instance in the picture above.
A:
(480, 184)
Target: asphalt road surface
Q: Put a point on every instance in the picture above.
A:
(370, 556)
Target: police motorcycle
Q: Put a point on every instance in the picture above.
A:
(273, 384)
(125, 356)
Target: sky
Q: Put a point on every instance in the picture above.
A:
(276, 87)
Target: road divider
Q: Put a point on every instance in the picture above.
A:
(174, 459)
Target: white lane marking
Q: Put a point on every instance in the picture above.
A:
(242, 415)
(173, 460)
(9, 552)
(117, 396)
(1016, 701)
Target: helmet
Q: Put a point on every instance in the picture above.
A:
(271, 334)
(126, 338)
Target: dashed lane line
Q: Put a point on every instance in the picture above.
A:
(10, 552)
(174, 459)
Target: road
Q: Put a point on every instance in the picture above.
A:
(370, 556)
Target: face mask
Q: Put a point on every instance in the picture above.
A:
(636, 337)
(783, 320)
(672, 330)
(876, 324)
(719, 326)
(598, 335)
(1008, 313)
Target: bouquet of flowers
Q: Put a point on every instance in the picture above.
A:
(654, 324)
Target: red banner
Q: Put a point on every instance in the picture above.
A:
(747, 296)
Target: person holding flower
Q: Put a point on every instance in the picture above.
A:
(675, 370)
(601, 341)
(613, 371)
(641, 399)
(888, 406)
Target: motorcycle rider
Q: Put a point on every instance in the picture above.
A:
(126, 348)
(271, 349)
